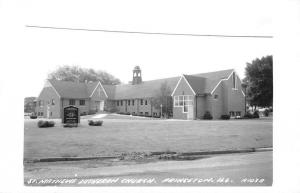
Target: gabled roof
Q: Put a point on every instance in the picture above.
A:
(68, 89)
(211, 80)
(197, 83)
(146, 89)
(202, 83)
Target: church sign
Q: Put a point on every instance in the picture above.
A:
(71, 115)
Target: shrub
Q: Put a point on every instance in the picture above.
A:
(266, 112)
(256, 114)
(43, 124)
(248, 115)
(95, 123)
(207, 116)
(33, 116)
(225, 117)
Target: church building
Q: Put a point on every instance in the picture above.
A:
(218, 92)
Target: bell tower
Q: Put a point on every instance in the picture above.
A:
(137, 75)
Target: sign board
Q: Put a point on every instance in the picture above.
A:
(71, 115)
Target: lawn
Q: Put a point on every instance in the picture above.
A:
(118, 136)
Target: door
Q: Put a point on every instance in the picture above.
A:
(101, 107)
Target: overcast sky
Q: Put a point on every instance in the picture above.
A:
(158, 56)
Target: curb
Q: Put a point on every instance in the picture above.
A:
(200, 153)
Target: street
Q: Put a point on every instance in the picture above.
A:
(251, 169)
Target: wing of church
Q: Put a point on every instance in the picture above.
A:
(218, 92)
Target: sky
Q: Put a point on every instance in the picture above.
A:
(158, 56)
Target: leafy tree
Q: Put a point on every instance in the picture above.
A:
(29, 104)
(259, 81)
(78, 74)
(163, 97)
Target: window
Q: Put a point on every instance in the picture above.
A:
(216, 96)
(82, 102)
(52, 102)
(141, 113)
(72, 102)
(234, 78)
(142, 101)
(41, 103)
(231, 113)
(183, 101)
(128, 102)
(50, 114)
(42, 113)
(146, 113)
(132, 102)
(146, 102)
(121, 103)
(117, 103)
(238, 113)
(154, 114)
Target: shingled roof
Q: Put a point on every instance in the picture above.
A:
(202, 83)
(73, 90)
(146, 89)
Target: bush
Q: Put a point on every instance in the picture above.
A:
(248, 115)
(256, 114)
(33, 116)
(207, 116)
(266, 112)
(95, 123)
(225, 117)
(43, 124)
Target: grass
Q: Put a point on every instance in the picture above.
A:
(118, 136)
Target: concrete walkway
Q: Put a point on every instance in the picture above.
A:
(99, 116)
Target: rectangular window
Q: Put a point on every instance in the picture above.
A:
(52, 102)
(238, 113)
(128, 102)
(117, 103)
(146, 102)
(121, 103)
(72, 102)
(183, 101)
(216, 96)
(50, 114)
(180, 100)
(154, 114)
(82, 102)
(231, 113)
(142, 101)
(234, 79)
(146, 113)
(141, 113)
(42, 113)
(132, 102)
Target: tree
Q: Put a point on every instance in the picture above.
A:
(259, 81)
(29, 104)
(163, 97)
(78, 74)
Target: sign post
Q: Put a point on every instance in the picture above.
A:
(71, 116)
